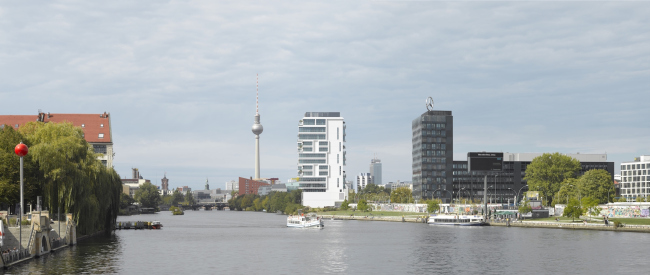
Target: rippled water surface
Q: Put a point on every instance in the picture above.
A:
(226, 242)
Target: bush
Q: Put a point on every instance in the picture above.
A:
(618, 224)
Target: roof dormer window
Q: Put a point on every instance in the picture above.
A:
(101, 125)
(101, 135)
(83, 125)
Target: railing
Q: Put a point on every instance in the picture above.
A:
(31, 241)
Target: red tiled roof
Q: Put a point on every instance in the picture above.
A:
(92, 124)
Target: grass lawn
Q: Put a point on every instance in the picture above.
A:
(374, 213)
(635, 221)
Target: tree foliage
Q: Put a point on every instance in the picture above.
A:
(126, 201)
(525, 207)
(177, 198)
(569, 188)
(362, 206)
(573, 209)
(546, 172)
(345, 205)
(401, 195)
(433, 205)
(63, 168)
(286, 202)
(596, 184)
(189, 199)
(147, 195)
(590, 205)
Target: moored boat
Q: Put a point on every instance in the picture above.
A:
(461, 220)
(310, 220)
(156, 225)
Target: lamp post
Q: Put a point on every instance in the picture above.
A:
(517, 198)
(21, 150)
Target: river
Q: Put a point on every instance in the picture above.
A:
(229, 242)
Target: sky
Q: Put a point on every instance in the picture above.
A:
(179, 78)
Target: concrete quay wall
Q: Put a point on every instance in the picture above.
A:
(576, 226)
(414, 219)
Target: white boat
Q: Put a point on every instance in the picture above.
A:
(472, 220)
(305, 221)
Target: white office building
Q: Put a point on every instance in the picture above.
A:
(375, 171)
(321, 157)
(635, 178)
(363, 179)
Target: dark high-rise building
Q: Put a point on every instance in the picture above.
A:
(433, 150)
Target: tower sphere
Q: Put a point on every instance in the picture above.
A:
(257, 128)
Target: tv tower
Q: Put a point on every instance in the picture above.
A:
(257, 129)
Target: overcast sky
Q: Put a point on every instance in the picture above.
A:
(178, 77)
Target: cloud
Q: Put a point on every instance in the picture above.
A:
(179, 76)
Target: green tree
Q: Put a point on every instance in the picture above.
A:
(401, 195)
(10, 169)
(546, 172)
(189, 198)
(640, 199)
(569, 188)
(147, 195)
(177, 198)
(573, 209)
(345, 205)
(362, 205)
(590, 205)
(125, 201)
(525, 207)
(597, 184)
(433, 205)
(622, 199)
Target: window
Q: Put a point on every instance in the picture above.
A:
(101, 135)
(308, 122)
(320, 122)
(311, 155)
(306, 143)
(306, 149)
(337, 132)
(322, 149)
(322, 143)
(337, 158)
(312, 161)
(311, 136)
(322, 173)
(83, 125)
(322, 167)
(339, 146)
(100, 149)
(101, 125)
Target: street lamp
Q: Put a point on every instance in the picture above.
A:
(21, 150)
(517, 198)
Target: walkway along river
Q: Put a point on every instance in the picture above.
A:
(231, 242)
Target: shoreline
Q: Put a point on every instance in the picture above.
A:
(524, 224)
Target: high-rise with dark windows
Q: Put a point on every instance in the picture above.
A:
(433, 150)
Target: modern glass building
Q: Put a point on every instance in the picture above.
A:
(321, 157)
(375, 171)
(433, 150)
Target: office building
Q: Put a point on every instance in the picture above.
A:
(433, 149)
(321, 158)
(375, 171)
(635, 178)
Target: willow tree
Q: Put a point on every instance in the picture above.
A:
(73, 179)
(10, 169)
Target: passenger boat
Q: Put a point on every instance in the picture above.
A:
(456, 220)
(156, 225)
(305, 221)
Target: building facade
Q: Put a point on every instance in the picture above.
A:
(635, 178)
(249, 186)
(504, 186)
(363, 179)
(375, 171)
(321, 158)
(96, 129)
(433, 150)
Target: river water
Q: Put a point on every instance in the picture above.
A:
(229, 242)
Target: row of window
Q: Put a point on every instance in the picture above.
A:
(312, 136)
(634, 173)
(634, 166)
(311, 155)
(312, 161)
(635, 179)
(634, 184)
(312, 129)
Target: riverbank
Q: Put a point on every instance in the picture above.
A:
(526, 224)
